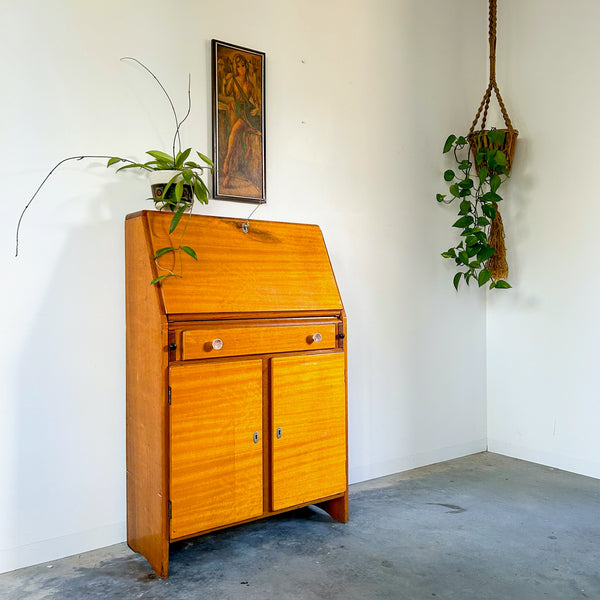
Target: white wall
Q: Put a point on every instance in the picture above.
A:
(360, 97)
(543, 336)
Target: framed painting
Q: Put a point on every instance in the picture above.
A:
(238, 90)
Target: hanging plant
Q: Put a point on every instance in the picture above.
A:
(478, 255)
(481, 253)
(176, 182)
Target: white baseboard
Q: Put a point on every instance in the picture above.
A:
(55, 548)
(573, 464)
(358, 473)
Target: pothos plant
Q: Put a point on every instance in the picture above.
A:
(477, 197)
(177, 191)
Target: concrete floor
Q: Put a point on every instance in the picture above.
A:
(483, 527)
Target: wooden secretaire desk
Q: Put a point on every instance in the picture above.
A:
(236, 379)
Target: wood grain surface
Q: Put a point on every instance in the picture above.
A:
(273, 267)
(309, 405)
(216, 466)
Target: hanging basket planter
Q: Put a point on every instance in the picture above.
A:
(479, 141)
(480, 254)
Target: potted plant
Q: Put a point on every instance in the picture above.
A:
(480, 253)
(175, 180)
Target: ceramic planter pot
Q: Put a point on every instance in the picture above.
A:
(158, 181)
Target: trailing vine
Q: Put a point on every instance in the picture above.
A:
(478, 198)
(178, 193)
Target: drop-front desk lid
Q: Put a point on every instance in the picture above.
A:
(274, 267)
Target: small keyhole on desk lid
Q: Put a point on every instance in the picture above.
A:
(279, 433)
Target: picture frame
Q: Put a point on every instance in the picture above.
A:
(238, 123)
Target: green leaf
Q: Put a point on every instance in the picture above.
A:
(193, 165)
(449, 175)
(113, 160)
(495, 182)
(483, 173)
(483, 277)
(189, 251)
(464, 222)
(501, 160)
(482, 221)
(463, 257)
(465, 165)
(157, 279)
(472, 251)
(486, 253)
(449, 143)
(161, 156)
(136, 166)
(488, 210)
(491, 197)
(162, 251)
(440, 197)
(181, 158)
(176, 218)
(465, 207)
(496, 160)
(454, 190)
(461, 141)
(178, 191)
(471, 240)
(496, 136)
(501, 284)
(200, 191)
(205, 159)
(456, 280)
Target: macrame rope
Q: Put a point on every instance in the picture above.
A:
(492, 86)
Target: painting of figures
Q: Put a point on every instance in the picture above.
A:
(238, 123)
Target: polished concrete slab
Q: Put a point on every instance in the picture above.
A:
(482, 527)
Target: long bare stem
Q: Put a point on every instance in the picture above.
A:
(64, 160)
(177, 122)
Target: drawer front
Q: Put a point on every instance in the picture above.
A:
(224, 341)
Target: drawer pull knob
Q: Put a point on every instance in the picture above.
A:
(317, 337)
(217, 343)
(256, 437)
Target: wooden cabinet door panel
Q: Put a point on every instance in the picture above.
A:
(216, 465)
(309, 410)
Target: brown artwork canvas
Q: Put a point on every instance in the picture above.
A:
(238, 123)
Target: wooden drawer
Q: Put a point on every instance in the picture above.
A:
(224, 340)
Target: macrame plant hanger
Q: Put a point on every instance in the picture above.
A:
(478, 139)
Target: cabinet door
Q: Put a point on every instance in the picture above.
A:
(215, 445)
(309, 428)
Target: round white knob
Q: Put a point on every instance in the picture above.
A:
(217, 343)
(317, 337)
